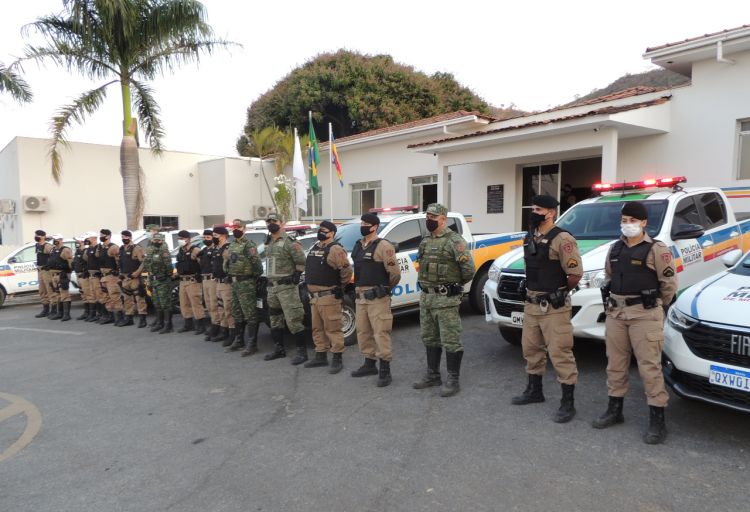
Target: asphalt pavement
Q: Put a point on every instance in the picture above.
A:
(133, 421)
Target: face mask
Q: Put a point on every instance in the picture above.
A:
(237, 234)
(208, 241)
(181, 243)
(102, 238)
(126, 241)
(216, 241)
(157, 244)
(631, 230)
(86, 242)
(38, 238)
(322, 236)
(536, 218)
(365, 230)
(274, 228)
(432, 225)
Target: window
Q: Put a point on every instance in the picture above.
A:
(714, 208)
(317, 209)
(26, 255)
(424, 191)
(406, 235)
(686, 213)
(365, 196)
(165, 221)
(744, 151)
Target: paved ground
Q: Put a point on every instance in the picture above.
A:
(137, 422)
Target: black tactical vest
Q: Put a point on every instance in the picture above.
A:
(41, 257)
(55, 262)
(79, 265)
(367, 271)
(94, 264)
(317, 269)
(630, 275)
(106, 261)
(207, 254)
(187, 266)
(217, 262)
(128, 264)
(542, 273)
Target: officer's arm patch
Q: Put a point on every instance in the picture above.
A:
(297, 246)
(463, 258)
(668, 272)
(252, 251)
(666, 257)
(572, 263)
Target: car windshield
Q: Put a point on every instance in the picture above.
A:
(601, 220)
(348, 234)
(743, 269)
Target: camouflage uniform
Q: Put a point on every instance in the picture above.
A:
(445, 265)
(242, 264)
(158, 264)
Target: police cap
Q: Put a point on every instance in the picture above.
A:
(158, 237)
(635, 209)
(105, 232)
(437, 209)
(126, 233)
(183, 234)
(40, 232)
(330, 226)
(544, 201)
(371, 219)
(221, 230)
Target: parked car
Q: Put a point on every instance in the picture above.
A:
(698, 225)
(707, 338)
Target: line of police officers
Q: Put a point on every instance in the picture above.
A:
(640, 272)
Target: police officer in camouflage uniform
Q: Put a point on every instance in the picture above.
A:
(445, 265)
(285, 262)
(242, 263)
(151, 230)
(158, 264)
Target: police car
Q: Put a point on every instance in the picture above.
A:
(707, 338)
(696, 223)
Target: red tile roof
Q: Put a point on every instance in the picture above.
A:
(667, 45)
(600, 111)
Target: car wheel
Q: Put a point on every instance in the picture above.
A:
(476, 295)
(2, 297)
(349, 321)
(511, 335)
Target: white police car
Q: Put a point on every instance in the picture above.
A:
(707, 338)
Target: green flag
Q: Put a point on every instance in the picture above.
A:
(313, 158)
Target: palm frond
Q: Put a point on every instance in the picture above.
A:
(159, 61)
(72, 59)
(149, 115)
(85, 105)
(16, 86)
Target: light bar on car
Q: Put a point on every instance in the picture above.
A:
(411, 208)
(639, 185)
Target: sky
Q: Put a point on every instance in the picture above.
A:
(534, 54)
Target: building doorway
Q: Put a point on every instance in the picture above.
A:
(424, 191)
(576, 179)
(538, 179)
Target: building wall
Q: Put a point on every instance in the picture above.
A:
(10, 227)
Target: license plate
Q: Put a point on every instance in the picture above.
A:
(730, 378)
(259, 303)
(516, 318)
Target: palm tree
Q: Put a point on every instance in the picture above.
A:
(262, 144)
(16, 86)
(126, 43)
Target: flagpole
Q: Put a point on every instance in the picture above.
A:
(294, 184)
(330, 166)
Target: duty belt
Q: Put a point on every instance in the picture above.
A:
(377, 292)
(448, 289)
(95, 274)
(323, 293)
(627, 301)
(283, 280)
(190, 277)
(223, 280)
(207, 276)
(107, 271)
(236, 279)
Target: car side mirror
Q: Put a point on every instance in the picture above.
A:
(687, 231)
(13, 260)
(731, 258)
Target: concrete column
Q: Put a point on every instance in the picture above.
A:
(442, 184)
(609, 155)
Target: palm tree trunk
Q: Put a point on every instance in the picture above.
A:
(130, 170)
(270, 192)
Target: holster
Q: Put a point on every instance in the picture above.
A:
(64, 281)
(649, 298)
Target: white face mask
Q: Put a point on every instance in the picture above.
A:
(181, 243)
(631, 230)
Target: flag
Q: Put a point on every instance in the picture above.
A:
(298, 172)
(335, 161)
(313, 158)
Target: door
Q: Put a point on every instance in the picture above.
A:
(24, 276)
(724, 237)
(538, 179)
(408, 236)
(690, 262)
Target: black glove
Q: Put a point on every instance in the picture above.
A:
(296, 277)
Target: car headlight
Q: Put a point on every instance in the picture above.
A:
(679, 320)
(494, 273)
(592, 279)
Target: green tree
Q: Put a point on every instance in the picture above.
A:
(357, 93)
(12, 83)
(128, 43)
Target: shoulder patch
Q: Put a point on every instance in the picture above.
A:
(668, 272)
(666, 257)
(297, 246)
(463, 258)
(567, 247)
(572, 263)
(460, 247)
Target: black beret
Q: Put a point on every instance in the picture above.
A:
(208, 232)
(544, 201)
(330, 226)
(40, 232)
(371, 218)
(635, 209)
(183, 234)
(105, 232)
(221, 230)
(126, 233)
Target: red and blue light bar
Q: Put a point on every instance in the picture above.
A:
(639, 185)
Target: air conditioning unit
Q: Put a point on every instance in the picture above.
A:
(260, 211)
(7, 206)
(35, 203)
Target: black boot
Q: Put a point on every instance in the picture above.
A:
(319, 359)
(368, 368)
(239, 340)
(532, 394)
(277, 335)
(85, 314)
(432, 376)
(158, 323)
(231, 333)
(221, 335)
(141, 321)
(301, 343)
(44, 312)
(187, 325)
(201, 326)
(126, 320)
(156, 319)
(336, 363)
(453, 365)
(118, 318)
(657, 428)
(567, 410)
(612, 415)
(213, 330)
(251, 347)
(53, 312)
(384, 376)
(96, 314)
(107, 318)
(167, 323)
(65, 311)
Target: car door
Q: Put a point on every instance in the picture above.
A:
(725, 237)
(689, 259)
(407, 235)
(24, 277)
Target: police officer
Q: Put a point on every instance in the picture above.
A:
(376, 272)
(642, 284)
(285, 262)
(445, 265)
(553, 268)
(93, 264)
(131, 281)
(191, 293)
(42, 249)
(158, 264)
(59, 264)
(151, 249)
(80, 267)
(108, 255)
(242, 263)
(225, 319)
(209, 286)
(327, 272)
